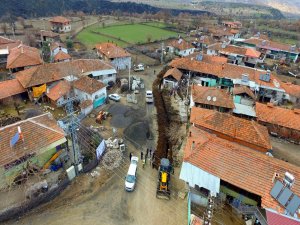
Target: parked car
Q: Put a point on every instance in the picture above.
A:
(139, 67)
(149, 97)
(114, 97)
(130, 179)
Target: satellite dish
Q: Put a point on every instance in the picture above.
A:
(214, 99)
(276, 83)
(208, 98)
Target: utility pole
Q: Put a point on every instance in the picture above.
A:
(72, 128)
(129, 76)
(162, 53)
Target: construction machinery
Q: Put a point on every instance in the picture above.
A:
(164, 170)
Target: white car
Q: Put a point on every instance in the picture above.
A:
(114, 97)
(149, 97)
(139, 67)
(130, 179)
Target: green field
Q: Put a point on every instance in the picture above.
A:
(124, 34)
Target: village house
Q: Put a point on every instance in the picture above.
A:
(49, 36)
(11, 89)
(204, 41)
(280, 121)
(235, 24)
(5, 45)
(86, 88)
(60, 24)
(59, 93)
(244, 102)
(244, 132)
(236, 55)
(59, 52)
(221, 34)
(292, 92)
(266, 86)
(212, 59)
(36, 79)
(245, 178)
(171, 78)
(23, 57)
(181, 47)
(30, 142)
(211, 98)
(114, 54)
(272, 49)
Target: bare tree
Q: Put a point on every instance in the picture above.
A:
(4, 28)
(21, 20)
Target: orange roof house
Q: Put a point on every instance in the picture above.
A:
(61, 89)
(174, 73)
(222, 160)
(212, 59)
(61, 56)
(245, 132)
(211, 97)
(6, 43)
(10, 88)
(240, 90)
(40, 133)
(280, 121)
(88, 85)
(111, 51)
(181, 44)
(23, 56)
(60, 24)
(293, 92)
(118, 56)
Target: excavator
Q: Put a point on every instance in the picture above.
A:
(164, 170)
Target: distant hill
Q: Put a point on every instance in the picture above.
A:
(237, 8)
(40, 8)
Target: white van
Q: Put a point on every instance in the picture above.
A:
(130, 179)
(149, 97)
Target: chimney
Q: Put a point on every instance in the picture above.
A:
(193, 145)
(22, 49)
(223, 66)
(190, 134)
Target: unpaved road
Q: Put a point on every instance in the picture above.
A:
(110, 204)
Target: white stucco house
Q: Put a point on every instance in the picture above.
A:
(60, 24)
(116, 55)
(86, 88)
(181, 47)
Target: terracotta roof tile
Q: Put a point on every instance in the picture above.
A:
(226, 70)
(275, 218)
(88, 85)
(38, 132)
(279, 116)
(252, 53)
(86, 103)
(292, 89)
(61, 56)
(217, 96)
(209, 58)
(59, 19)
(110, 50)
(54, 45)
(208, 40)
(62, 88)
(181, 44)
(10, 87)
(272, 45)
(246, 132)
(177, 74)
(6, 43)
(48, 33)
(23, 56)
(51, 72)
(238, 165)
(232, 49)
(4, 40)
(243, 90)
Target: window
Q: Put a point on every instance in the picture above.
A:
(109, 75)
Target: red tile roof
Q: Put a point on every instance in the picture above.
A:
(278, 116)
(48, 33)
(246, 132)
(23, 56)
(59, 19)
(111, 51)
(266, 44)
(292, 89)
(51, 72)
(243, 90)
(181, 44)
(275, 218)
(62, 88)
(212, 96)
(252, 53)
(88, 85)
(6, 43)
(86, 103)
(227, 70)
(177, 74)
(54, 45)
(238, 165)
(196, 220)
(38, 132)
(10, 87)
(208, 58)
(208, 40)
(61, 56)
(231, 49)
